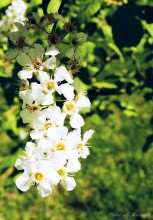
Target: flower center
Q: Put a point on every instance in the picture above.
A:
(62, 172)
(79, 147)
(69, 107)
(48, 124)
(60, 146)
(50, 85)
(33, 107)
(38, 176)
(37, 65)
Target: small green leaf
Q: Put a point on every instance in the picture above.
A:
(53, 6)
(9, 160)
(23, 59)
(101, 85)
(79, 85)
(11, 54)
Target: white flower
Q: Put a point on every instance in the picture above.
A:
(34, 60)
(82, 147)
(14, 13)
(41, 121)
(36, 96)
(66, 142)
(39, 174)
(31, 154)
(66, 181)
(50, 85)
(72, 108)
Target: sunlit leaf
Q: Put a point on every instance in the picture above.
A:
(53, 6)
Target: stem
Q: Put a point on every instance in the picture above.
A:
(42, 28)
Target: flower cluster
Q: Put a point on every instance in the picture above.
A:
(51, 108)
(13, 13)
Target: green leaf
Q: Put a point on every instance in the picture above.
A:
(5, 3)
(117, 50)
(9, 160)
(130, 113)
(102, 85)
(23, 59)
(11, 54)
(79, 85)
(53, 6)
(89, 10)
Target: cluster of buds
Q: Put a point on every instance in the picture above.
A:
(13, 13)
(51, 107)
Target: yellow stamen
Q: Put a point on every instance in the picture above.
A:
(60, 146)
(38, 176)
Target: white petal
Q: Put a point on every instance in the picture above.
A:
(76, 121)
(52, 177)
(30, 148)
(25, 74)
(60, 119)
(57, 133)
(85, 152)
(73, 139)
(50, 63)
(69, 183)
(47, 99)
(59, 159)
(67, 91)
(25, 95)
(23, 182)
(36, 92)
(61, 74)
(25, 115)
(52, 112)
(36, 135)
(44, 189)
(43, 76)
(87, 135)
(44, 144)
(18, 164)
(73, 164)
(37, 120)
(83, 102)
(52, 50)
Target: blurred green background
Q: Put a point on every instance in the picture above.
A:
(116, 180)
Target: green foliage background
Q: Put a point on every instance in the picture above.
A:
(118, 73)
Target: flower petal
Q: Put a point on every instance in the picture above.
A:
(67, 91)
(23, 182)
(76, 121)
(25, 74)
(44, 189)
(61, 74)
(83, 102)
(43, 76)
(36, 135)
(87, 135)
(69, 183)
(52, 50)
(50, 63)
